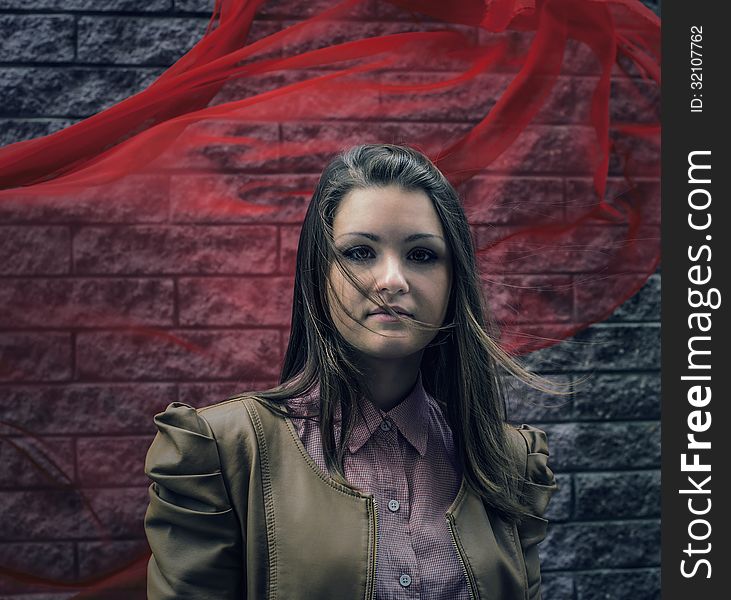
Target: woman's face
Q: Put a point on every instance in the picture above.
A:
(392, 240)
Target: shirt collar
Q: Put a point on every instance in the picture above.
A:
(411, 417)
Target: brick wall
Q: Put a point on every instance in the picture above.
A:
(64, 60)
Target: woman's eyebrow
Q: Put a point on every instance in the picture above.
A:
(375, 238)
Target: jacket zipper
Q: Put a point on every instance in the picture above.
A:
(375, 548)
(468, 577)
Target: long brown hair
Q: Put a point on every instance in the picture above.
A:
(459, 367)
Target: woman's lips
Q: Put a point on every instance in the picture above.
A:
(386, 318)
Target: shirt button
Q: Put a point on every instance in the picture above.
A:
(393, 505)
(385, 425)
(404, 580)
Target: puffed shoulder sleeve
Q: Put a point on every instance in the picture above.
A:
(191, 527)
(539, 486)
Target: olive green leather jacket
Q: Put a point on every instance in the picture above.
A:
(238, 509)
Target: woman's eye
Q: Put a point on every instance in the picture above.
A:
(422, 255)
(359, 253)
(363, 253)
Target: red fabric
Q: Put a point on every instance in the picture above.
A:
(232, 110)
(191, 116)
(194, 117)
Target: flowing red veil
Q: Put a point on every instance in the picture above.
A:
(544, 114)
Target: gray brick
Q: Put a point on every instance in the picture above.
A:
(618, 396)
(137, 40)
(85, 302)
(120, 510)
(603, 446)
(528, 405)
(560, 507)
(557, 587)
(85, 408)
(580, 194)
(229, 302)
(602, 347)
(548, 149)
(203, 394)
(215, 156)
(60, 515)
(95, 5)
(612, 495)
(112, 461)
(35, 356)
(99, 557)
(511, 200)
(199, 6)
(643, 152)
(634, 101)
(637, 584)
(197, 249)
(135, 198)
(180, 354)
(39, 462)
(303, 10)
(530, 298)
(352, 132)
(643, 306)
(618, 544)
(18, 130)
(75, 92)
(44, 515)
(27, 250)
(47, 38)
(46, 596)
(57, 559)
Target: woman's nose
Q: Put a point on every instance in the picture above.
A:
(391, 275)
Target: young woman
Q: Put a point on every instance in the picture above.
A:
(382, 465)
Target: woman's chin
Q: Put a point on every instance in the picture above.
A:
(394, 347)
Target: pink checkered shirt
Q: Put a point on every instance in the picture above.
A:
(406, 458)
